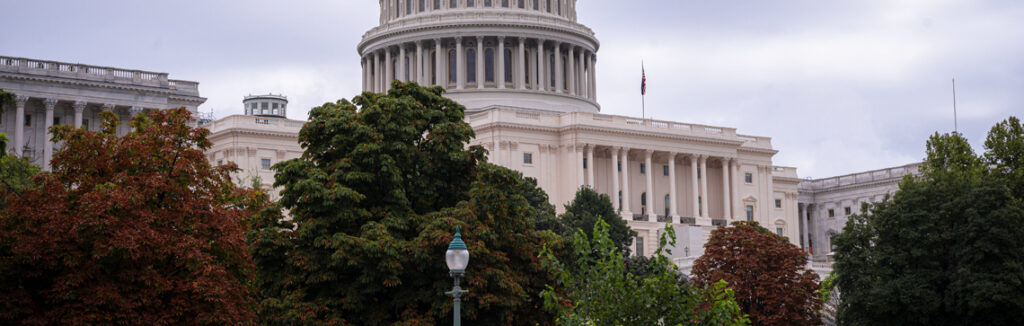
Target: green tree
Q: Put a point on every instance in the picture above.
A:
(767, 272)
(137, 230)
(600, 290)
(589, 207)
(375, 199)
(5, 100)
(946, 249)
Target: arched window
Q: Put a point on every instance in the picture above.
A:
(471, 66)
(489, 65)
(453, 65)
(551, 70)
(668, 204)
(508, 65)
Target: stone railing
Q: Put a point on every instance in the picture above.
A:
(454, 17)
(255, 123)
(856, 178)
(95, 73)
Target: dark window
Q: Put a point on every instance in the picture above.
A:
(471, 66)
(831, 212)
(700, 205)
(620, 200)
(665, 168)
(778, 231)
(422, 5)
(220, 162)
(643, 199)
(551, 70)
(584, 162)
(437, 4)
(698, 173)
(508, 66)
(28, 120)
(639, 246)
(528, 158)
(847, 209)
(405, 67)
(668, 203)
(549, 8)
(750, 213)
(265, 163)
(487, 3)
(536, 4)
(504, 3)
(452, 67)
(433, 67)
(643, 168)
(778, 203)
(521, 3)
(470, 3)
(453, 4)
(489, 65)
(748, 178)
(56, 121)
(620, 166)
(408, 7)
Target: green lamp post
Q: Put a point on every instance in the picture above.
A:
(457, 258)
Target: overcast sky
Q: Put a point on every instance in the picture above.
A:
(840, 86)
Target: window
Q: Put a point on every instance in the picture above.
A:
(433, 67)
(471, 66)
(28, 120)
(548, 5)
(584, 162)
(275, 105)
(551, 71)
(778, 231)
(527, 158)
(408, 7)
(831, 212)
(453, 4)
(489, 65)
(85, 124)
(422, 5)
(504, 3)
(643, 168)
(521, 3)
(778, 203)
(487, 3)
(700, 206)
(470, 3)
(664, 169)
(452, 66)
(56, 121)
(508, 65)
(748, 178)
(265, 163)
(847, 210)
(619, 166)
(405, 66)
(620, 200)
(639, 246)
(264, 108)
(668, 203)
(559, 6)
(643, 199)
(750, 212)
(536, 4)
(437, 4)
(220, 162)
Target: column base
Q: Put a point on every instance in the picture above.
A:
(626, 215)
(703, 221)
(676, 219)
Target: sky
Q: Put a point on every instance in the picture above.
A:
(839, 86)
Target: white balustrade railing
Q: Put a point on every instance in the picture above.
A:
(860, 177)
(26, 65)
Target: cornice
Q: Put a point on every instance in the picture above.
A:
(853, 186)
(758, 150)
(529, 30)
(79, 82)
(606, 130)
(228, 132)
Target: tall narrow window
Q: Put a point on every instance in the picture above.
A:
(423, 5)
(470, 3)
(748, 178)
(643, 199)
(489, 65)
(471, 66)
(643, 168)
(437, 4)
(558, 4)
(565, 72)
(488, 3)
(750, 212)
(584, 162)
(639, 246)
(700, 205)
(664, 170)
(620, 200)
(528, 72)
(508, 65)
(453, 4)
(504, 3)
(548, 5)
(551, 69)
(453, 65)
(668, 203)
(408, 7)
(522, 3)
(778, 231)
(405, 67)
(698, 173)
(619, 167)
(433, 66)
(536, 4)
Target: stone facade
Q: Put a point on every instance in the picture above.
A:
(50, 92)
(826, 204)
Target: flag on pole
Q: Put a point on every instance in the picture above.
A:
(643, 81)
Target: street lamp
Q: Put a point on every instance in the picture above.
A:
(457, 257)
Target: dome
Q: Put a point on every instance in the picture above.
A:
(522, 54)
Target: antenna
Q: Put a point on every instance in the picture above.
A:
(956, 128)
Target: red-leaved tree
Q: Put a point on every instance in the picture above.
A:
(135, 230)
(767, 273)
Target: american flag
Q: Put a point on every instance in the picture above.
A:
(643, 81)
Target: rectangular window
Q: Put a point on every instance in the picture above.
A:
(584, 162)
(453, 4)
(265, 163)
(778, 203)
(643, 168)
(640, 246)
(470, 3)
(28, 120)
(750, 212)
(487, 3)
(665, 170)
(220, 162)
(56, 121)
(847, 209)
(437, 4)
(698, 173)
(700, 206)
(85, 124)
(778, 231)
(620, 166)
(527, 158)
(748, 178)
(275, 105)
(831, 212)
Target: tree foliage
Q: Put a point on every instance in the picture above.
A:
(589, 207)
(138, 229)
(946, 250)
(375, 199)
(767, 272)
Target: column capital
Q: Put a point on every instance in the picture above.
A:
(108, 107)
(135, 110)
(501, 38)
(648, 152)
(20, 99)
(79, 106)
(479, 38)
(50, 103)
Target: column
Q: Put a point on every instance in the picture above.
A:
(559, 76)
(437, 62)
(736, 207)
(593, 77)
(500, 63)
(615, 179)
(726, 203)
(590, 167)
(460, 60)
(694, 185)
(375, 74)
(50, 103)
(388, 74)
(704, 186)
(807, 227)
(579, 148)
(419, 63)
(674, 204)
(571, 64)
(402, 68)
(521, 64)
(580, 74)
(79, 109)
(771, 195)
(480, 62)
(627, 214)
(540, 65)
(650, 186)
(19, 124)
(363, 62)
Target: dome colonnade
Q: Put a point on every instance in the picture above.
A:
(485, 52)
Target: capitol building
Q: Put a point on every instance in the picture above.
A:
(526, 72)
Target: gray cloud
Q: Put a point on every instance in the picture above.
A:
(839, 86)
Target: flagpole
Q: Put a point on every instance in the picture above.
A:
(643, 93)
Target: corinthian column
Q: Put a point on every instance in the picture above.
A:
(402, 68)
(387, 69)
(460, 61)
(650, 185)
(50, 103)
(559, 76)
(590, 167)
(571, 64)
(694, 185)
(626, 213)
(19, 124)
(419, 63)
(673, 203)
(726, 203)
(616, 196)
(540, 65)
(79, 109)
(704, 214)
(437, 63)
(521, 64)
(480, 62)
(499, 77)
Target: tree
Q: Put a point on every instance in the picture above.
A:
(138, 229)
(15, 172)
(375, 199)
(589, 207)
(767, 272)
(945, 250)
(600, 289)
